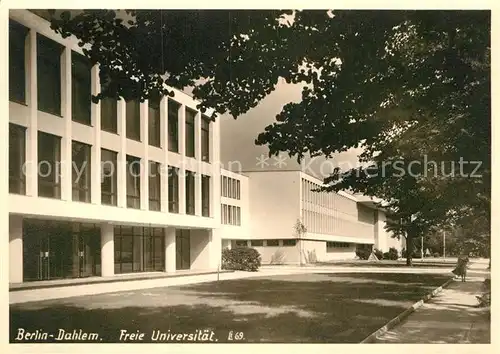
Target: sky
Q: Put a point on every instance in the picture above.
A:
(239, 152)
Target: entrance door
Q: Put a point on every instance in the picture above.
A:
(183, 249)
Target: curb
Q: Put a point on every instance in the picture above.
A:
(399, 318)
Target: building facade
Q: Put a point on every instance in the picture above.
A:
(293, 223)
(102, 189)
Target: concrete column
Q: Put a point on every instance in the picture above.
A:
(121, 177)
(107, 250)
(95, 155)
(379, 231)
(170, 251)
(164, 146)
(182, 152)
(66, 159)
(31, 169)
(15, 249)
(215, 248)
(144, 114)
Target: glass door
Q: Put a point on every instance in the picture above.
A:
(183, 249)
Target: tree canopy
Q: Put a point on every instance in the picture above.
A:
(405, 86)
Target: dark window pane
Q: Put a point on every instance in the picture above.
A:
(17, 159)
(205, 139)
(205, 195)
(80, 88)
(49, 158)
(154, 122)
(272, 243)
(133, 113)
(154, 186)
(173, 189)
(109, 115)
(49, 75)
(257, 243)
(190, 117)
(173, 126)
(81, 171)
(289, 242)
(17, 62)
(108, 177)
(190, 193)
(133, 173)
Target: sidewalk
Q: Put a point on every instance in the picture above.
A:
(450, 317)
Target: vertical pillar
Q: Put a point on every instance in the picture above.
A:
(95, 155)
(170, 252)
(31, 169)
(215, 248)
(107, 250)
(144, 115)
(15, 249)
(182, 152)
(121, 177)
(66, 159)
(164, 145)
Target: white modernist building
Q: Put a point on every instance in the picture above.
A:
(99, 190)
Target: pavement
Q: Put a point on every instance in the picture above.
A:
(451, 317)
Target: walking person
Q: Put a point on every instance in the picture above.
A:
(461, 268)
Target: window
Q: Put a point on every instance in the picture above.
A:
(205, 195)
(49, 75)
(139, 249)
(241, 243)
(173, 126)
(17, 62)
(330, 244)
(257, 243)
(272, 243)
(190, 197)
(238, 216)
(133, 113)
(222, 213)
(190, 115)
(238, 188)
(173, 190)
(81, 94)
(230, 215)
(109, 115)
(80, 171)
(205, 139)
(154, 129)
(108, 177)
(133, 182)
(289, 242)
(224, 186)
(154, 186)
(17, 159)
(49, 163)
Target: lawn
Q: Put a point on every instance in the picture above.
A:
(310, 308)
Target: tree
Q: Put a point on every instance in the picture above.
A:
(402, 85)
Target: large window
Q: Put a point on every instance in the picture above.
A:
(17, 62)
(49, 75)
(81, 94)
(173, 189)
(17, 159)
(205, 139)
(133, 172)
(154, 122)
(139, 249)
(81, 171)
(190, 193)
(108, 177)
(49, 165)
(205, 195)
(133, 120)
(109, 113)
(173, 126)
(154, 186)
(231, 214)
(190, 117)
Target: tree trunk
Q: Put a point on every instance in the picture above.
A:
(409, 249)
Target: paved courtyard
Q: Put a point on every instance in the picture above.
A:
(311, 308)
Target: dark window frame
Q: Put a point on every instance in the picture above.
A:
(133, 199)
(133, 132)
(56, 182)
(205, 195)
(190, 196)
(17, 151)
(81, 81)
(49, 63)
(173, 189)
(274, 243)
(109, 124)
(76, 187)
(154, 178)
(205, 138)
(289, 242)
(113, 195)
(17, 62)
(190, 132)
(173, 125)
(154, 131)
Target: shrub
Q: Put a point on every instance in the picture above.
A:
(241, 258)
(363, 253)
(436, 254)
(378, 253)
(392, 254)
